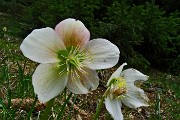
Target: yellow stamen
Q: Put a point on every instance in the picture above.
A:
(119, 87)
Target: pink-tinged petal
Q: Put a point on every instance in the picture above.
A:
(82, 81)
(101, 54)
(47, 81)
(114, 108)
(131, 75)
(42, 45)
(73, 33)
(135, 97)
(117, 73)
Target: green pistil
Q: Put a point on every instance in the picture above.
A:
(118, 87)
(70, 59)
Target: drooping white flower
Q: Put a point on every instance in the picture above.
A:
(123, 90)
(67, 58)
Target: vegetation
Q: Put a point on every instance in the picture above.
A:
(17, 95)
(147, 33)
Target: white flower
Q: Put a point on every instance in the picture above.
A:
(67, 58)
(123, 90)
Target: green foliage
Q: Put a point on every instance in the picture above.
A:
(160, 34)
(145, 33)
(55, 11)
(167, 91)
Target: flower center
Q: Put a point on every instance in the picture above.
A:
(119, 87)
(70, 59)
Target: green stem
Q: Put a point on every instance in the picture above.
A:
(32, 108)
(5, 110)
(100, 104)
(63, 106)
(48, 109)
(70, 115)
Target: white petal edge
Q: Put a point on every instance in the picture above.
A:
(83, 81)
(114, 108)
(47, 82)
(42, 45)
(101, 54)
(117, 73)
(131, 75)
(73, 32)
(135, 97)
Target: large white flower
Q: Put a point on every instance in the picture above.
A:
(123, 90)
(67, 58)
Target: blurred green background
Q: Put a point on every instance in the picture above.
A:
(146, 31)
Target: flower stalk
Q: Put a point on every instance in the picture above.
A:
(63, 106)
(100, 104)
(48, 109)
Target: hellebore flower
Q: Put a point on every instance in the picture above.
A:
(123, 90)
(68, 58)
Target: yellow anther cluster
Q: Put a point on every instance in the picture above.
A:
(119, 88)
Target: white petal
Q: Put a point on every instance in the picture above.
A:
(47, 82)
(135, 97)
(42, 45)
(102, 54)
(117, 73)
(114, 108)
(132, 75)
(82, 81)
(73, 32)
